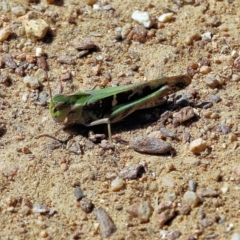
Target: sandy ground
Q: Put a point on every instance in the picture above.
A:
(38, 176)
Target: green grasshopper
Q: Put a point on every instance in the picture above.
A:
(110, 105)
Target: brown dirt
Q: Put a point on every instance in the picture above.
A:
(42, 171)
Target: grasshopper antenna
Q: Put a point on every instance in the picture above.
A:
(50, 90)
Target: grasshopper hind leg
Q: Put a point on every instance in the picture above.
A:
(152, 104)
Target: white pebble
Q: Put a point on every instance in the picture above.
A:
(207, 36)
(235, 236)
(205, 69)
(117, 184)
(40, 208)
(234, 54)
(198, 145)
(191, 198)
(108, 7)
(96, 6)
(31, 82)
(142, 18)
(225, 187)
(25, 96)
(4, 33)
(39, 52)
(18, 11)
(36, 28)
(2, 93)
(166, 17)
(235, 77)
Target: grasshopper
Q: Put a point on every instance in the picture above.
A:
(110, 105)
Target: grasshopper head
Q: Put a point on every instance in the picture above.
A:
(59, 108)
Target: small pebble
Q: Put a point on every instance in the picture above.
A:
(142, 18)
(106, 145)
(25, 210)
(211, 81)
(2, 93)
(117, 184)
(235, 236)
(26, 150)
(75, 147)
(31, 82)
(150, 145)
(174, 235)
(207, 36)
(235, 77)
(87, 44)
(64, 167)
(165, 116)
(125, 30)
(191, 198)
(204, 62)
(165, 216)
(66, 60)
(108, 7)
(4, 33)
(86, 205)
(66, 77)
(133, 172)
(8, 61)
(18, 11)
(207, 192)
(215, 98)
(166, 17)
(188, 40)
(225, 188)
(41, 75)
(206, 222)
(192, 185)
(237, 63)
(167, 133)
(198, 145)
(107, 226)
(205, 69)
(43, 234)
(39, 52)
(42, 63)
(5, 79)
(224, 129)
(96, 6)
(232, 137)
(185, 209)
(155, 134)
(237, 169)
(184, 114)
(40, 208)
(142, 211)
(192, 65)
(78, 192)
(211, 236)
(36, 28)
(138, 33)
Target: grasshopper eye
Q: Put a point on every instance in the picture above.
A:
(59, 106)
